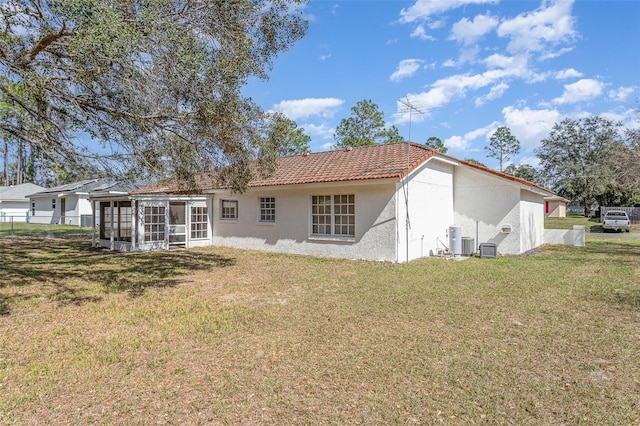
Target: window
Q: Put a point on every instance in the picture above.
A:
(33, 208)
(154, 224)
(333, 215)
(53, 204)
(229, 209)
(267, 209)
(199, 222)
(122, 216)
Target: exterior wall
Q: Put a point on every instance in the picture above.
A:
(15, 211)
(375, 210)
(569, 237)
(44, 213)
(430, 204)
(557, 209)
(483, 205)
(531, 220)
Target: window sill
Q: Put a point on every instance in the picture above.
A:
(331, 239)
(259, 223)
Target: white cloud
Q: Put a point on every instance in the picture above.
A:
(579, 91)
(421, 33)
(448, 89)
(621, 94)
(304, 108)
(468, 32)
(423, 9)
(530, 161)
(322, 130)
(406, 68)
(536, 31)
(463, 143)
(530, 126)
(568, 73)
(496, 92)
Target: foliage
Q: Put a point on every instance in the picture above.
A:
(526, 172)
(156, 84)
(502, 145)
(365, 126)
(625, 167)
(436, 143)
(574, 157)
(474, 161)
(288, 138)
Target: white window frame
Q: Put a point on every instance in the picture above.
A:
(152, 228)
(53, 204)
(324, 216)
(199, 215)
(267, 210)
(230, 204)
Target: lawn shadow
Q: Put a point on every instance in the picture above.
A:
(68, 271)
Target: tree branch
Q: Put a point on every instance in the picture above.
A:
(42, 45)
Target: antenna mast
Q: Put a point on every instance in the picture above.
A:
(405, 184)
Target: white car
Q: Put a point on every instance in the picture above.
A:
(616, 220)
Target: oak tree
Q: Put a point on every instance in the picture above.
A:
(146, 86)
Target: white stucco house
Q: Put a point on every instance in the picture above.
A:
(69, 204)
(14, 202)
(392, 202)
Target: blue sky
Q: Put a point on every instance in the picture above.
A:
(468, 66)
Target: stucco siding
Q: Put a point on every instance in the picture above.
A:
(291, 231)
(430, 205)
(485, 207)
(532, 220)
(44, 212)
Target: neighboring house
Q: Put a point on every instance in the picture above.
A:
(69, 204)
(392, 202)
(14, 202)
(555, 206)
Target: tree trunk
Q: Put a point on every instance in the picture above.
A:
(6, 162)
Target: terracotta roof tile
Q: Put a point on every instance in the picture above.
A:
(361, 163)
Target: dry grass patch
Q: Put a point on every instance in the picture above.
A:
(225, 336)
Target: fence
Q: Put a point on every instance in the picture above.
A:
(39, 226)
(632, 212)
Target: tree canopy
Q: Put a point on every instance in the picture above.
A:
(436, 143)
(575, 158)
(365, 126)
(156, 84)
(502, 145)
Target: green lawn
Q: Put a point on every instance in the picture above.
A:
(223, 336)
(591, 224)
(8, 229)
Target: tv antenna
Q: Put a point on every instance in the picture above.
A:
(405, 187)
(407, 103)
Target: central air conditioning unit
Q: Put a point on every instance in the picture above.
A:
(468, 246)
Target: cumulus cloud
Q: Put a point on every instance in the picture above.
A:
(496, 92)
(463, 143)
(421, 33)
(621, 94)
(536, 31)
(530, 126)
(423, 9)
(568, 73)
(320, 130)
(304, 108)
(579, 91)
(468, 32)
(406, 68)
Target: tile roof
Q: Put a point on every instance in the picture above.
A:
(351, 164)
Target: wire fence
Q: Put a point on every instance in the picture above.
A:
(46, 227)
